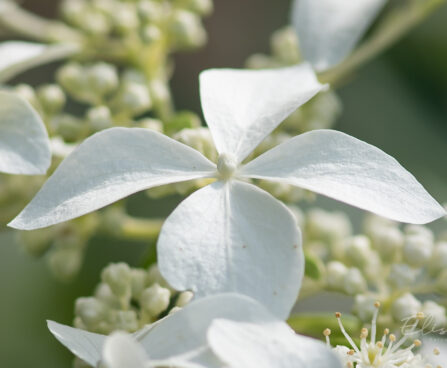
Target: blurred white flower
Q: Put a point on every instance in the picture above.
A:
(226, 235)
(24, 143)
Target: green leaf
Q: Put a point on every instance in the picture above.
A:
(313, 267)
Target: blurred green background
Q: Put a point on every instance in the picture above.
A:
(397, 102)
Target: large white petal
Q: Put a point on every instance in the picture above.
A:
(344, 168)
(121, 350)
(242, 107)
(233, 237)
(328, 30)
(86, 345)
(266, 345)
(109, 166)
(24, 143)
(184, 333)
(18, 56)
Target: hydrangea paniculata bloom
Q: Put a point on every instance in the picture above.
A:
(226, 330)
(24, 143)
(231, 236)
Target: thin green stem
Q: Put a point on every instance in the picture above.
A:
(393, 27)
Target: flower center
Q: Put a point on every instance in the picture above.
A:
(226, 165)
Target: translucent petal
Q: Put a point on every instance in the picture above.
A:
(266, 345)
(233, 237)
(121, 350)
(328, 30)
(344, 168)
(109, 166)
(242, 107)
(24, 143)
(84, 344)
(18, 56)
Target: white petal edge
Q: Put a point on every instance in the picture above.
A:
(233, 237)
(242, 107)
(121, 350)
(328, 30)
(342, 167)
(108, 166)
(266, 345)
(24, 143)
(85, 345)
(19, 56)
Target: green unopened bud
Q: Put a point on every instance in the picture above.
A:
(102, 78)
(404, 307)
(354, 282)
(71, 76)
(95, 23)
(417, 250)
(65, 263)
(184, 298)
(73, 10)
(261, 61)
(284, 45)
(187, 30)
(99, 118)
(438, 260)
(125, 18)
(118, 277)
(68, 127)
(134, 99)
(155, 300)
(51, 98)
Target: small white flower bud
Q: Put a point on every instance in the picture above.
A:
(435, 317)
(125, 320)
(438, 260)
(125, 18)
(187, 30)
(73, 10)
(118, 277)
(51, 98)
(155, 299)
(151, 33)
(91, 311)
(417, 249)
(65, 263)
(201, 7)
(138, 282)
(27, 92)
(328, 226)
(154, 277)
(184, 298)
(102, 78)
(284, 45)
(420, 230)
(364, 306)
(71, 76)
(95, 23)
(354, 282)
(401, 275)
(358, 250)
(151, 11)
(99, 118)
(336, 273)
(261, 61)
(388, 241)
(405, 306)
(68, 127)
(152, 124)
(135, 99)
(104, 293)
(199, 139)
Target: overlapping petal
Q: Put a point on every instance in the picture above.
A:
(86, 345)
(18, 56)
(24, 143)
(328, 30)
(242, 107)
(121, 350)
(233, 237)
(107, 167)
(266, 345)
(344, 168)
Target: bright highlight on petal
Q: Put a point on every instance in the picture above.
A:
(233, 237)
(24, 143)
(328, 30)
(266, 345)
(121, 350)
(342, 167)
(107, 167)
(18, 56)
(242, 107)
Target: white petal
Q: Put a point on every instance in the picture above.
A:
(328, 30)
(84, 344)
(242, 107)
(18, 56)
(344, 168)
(233, 237)
(266, 345)
(109, 166)
(184, 333)
(24, 143)
(122, 351)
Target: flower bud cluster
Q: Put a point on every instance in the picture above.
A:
(403, 267)
(127, 299)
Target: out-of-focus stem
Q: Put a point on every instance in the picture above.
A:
(21, 22)
(392, 28)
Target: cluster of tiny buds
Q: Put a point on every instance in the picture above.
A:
(379, 354)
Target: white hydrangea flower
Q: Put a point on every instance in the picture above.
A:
(328, 30)
(226, 235)
(226, 330)
(24, 143)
